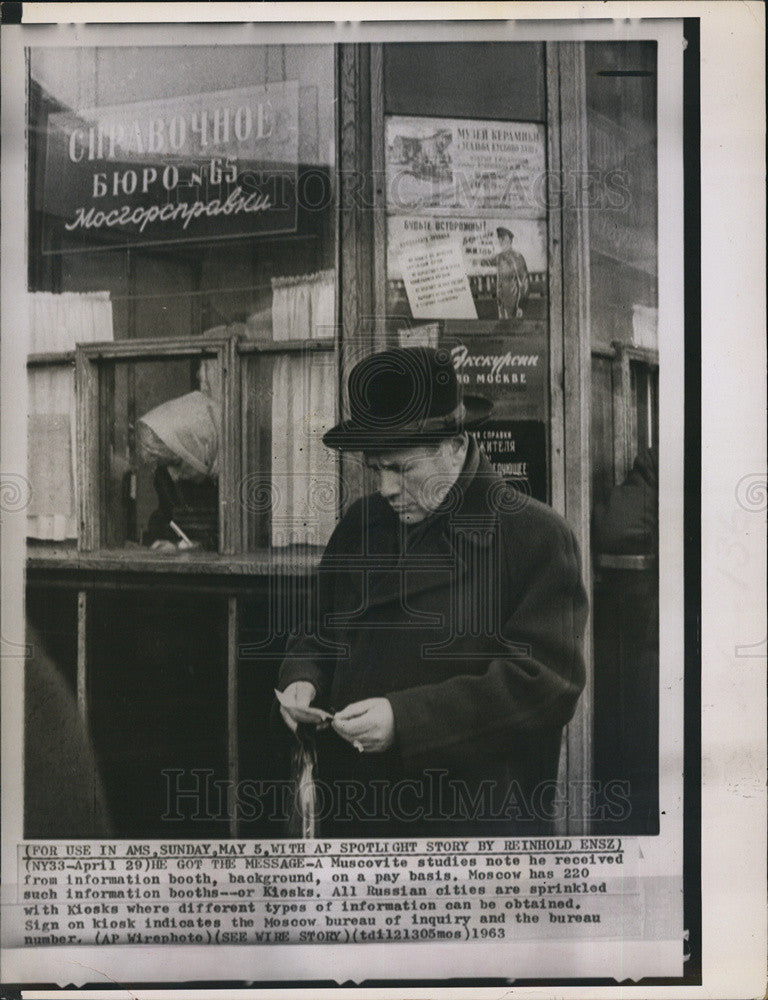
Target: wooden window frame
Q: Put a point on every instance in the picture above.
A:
(626, 431)
(230, 352)
(90, 360)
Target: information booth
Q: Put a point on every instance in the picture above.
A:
(216, 234)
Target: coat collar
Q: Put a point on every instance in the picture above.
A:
(477, 487)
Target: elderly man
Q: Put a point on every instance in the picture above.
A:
(451, 610)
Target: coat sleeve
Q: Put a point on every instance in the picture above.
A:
(628, 521)
(534, 688)
(312, 653)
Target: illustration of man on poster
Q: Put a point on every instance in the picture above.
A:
(511, 276)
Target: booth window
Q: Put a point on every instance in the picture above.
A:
(622, 138)
(183, 245)
(465, 159)
(161, 479)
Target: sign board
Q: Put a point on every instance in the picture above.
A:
(517, 449)
(201, 166)
(513, 372)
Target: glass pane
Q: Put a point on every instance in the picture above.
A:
(623, 244)
(51, 513)
(621, 156)
(466, 221)
(160, 437)
(182, 180)
(193, 189)
(467, 252)
(469, 79)
(290, 491)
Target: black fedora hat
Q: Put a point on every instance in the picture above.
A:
(403, 398)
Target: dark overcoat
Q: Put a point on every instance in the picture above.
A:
(470, 623)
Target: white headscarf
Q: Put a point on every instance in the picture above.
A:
(187, 428)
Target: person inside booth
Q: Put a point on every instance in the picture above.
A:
(181, 438)
(627, 639)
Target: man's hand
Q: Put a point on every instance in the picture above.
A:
(368, 725)
(299, 695)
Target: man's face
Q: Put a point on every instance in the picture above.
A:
(415, 481)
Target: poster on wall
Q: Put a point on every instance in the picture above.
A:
(223, 163)
(435, 278)
(444, 267)
(517, 450)
(513, 373)
(465, 165)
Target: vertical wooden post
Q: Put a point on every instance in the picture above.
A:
(230, 464)
(556, 452)
(554, 253)
(233, 748)
(88, 477)
(82, 655)
(622, 404)
(379, 196)
(357, 232)
(355, 196)
(577, 390)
